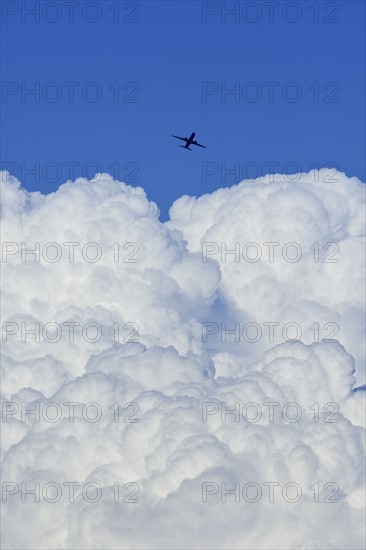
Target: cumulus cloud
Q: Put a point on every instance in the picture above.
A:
(165, 367)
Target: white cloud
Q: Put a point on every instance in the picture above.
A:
(170, 373)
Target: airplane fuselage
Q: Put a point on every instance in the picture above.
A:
(189, 140)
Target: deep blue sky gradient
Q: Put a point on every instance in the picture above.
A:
(169, 52)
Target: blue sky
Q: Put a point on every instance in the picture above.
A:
(163, 61)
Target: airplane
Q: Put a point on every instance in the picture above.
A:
(189, 141)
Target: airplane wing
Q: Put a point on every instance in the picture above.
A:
(183, 139)
(199, 145)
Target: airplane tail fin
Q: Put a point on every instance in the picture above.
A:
(184, 147)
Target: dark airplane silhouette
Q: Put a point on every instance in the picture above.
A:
(189, 141)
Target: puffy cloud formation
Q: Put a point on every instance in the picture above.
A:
(184, 396)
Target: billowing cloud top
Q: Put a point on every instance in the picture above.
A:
(132, 340)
